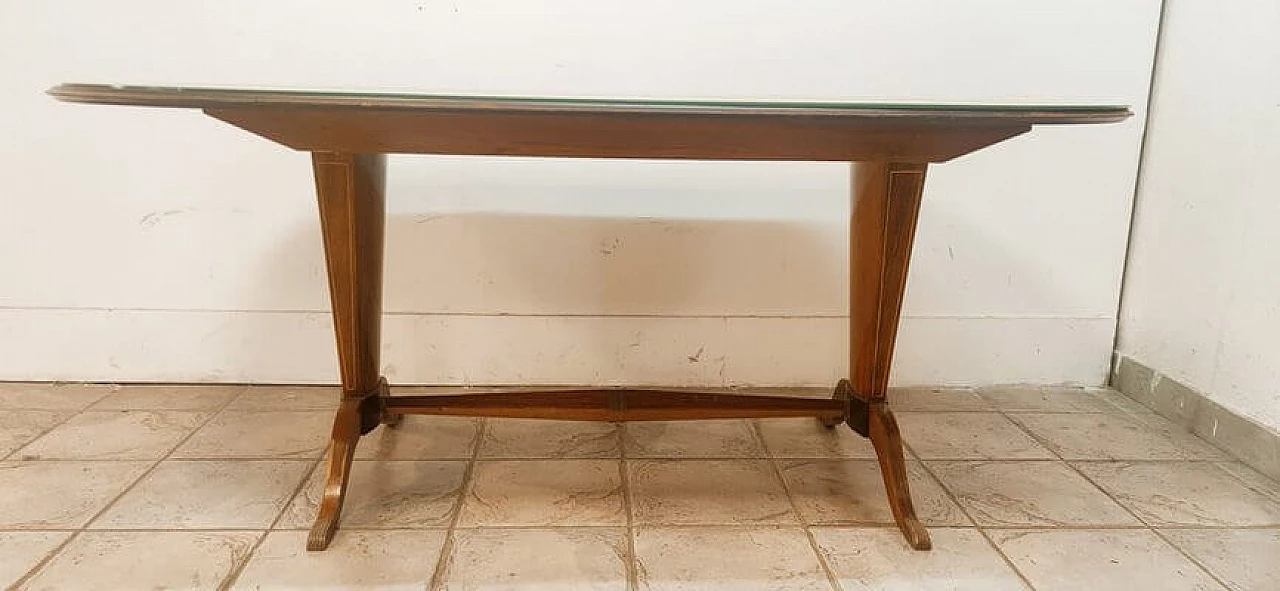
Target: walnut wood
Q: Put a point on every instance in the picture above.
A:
(616, 404)
(842, 393)
(887, 440)
(351, 196)
(371, 123)
(348, 134)
(883, 225)
(591, 135)
(342, 448)
(350, 191)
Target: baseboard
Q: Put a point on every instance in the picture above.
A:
(1243, 438)
(297, 347)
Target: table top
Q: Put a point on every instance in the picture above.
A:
(212, 98)
(360, 122)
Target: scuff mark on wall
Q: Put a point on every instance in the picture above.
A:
(697, 355)
(156, 217)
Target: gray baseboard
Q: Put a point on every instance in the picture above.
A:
(1246, 440)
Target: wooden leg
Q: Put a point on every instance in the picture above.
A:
(346, 432)
(350, 190)
(893, 468)
(882, 228)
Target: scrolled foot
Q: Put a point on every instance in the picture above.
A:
(321, 534)
(342, 447)
(887, 440)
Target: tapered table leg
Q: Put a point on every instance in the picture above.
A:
(350, 190)
(882, 228)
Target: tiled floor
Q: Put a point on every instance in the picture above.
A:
(214, 487)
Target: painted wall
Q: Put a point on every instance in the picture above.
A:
(161, 245)
(1202, 293)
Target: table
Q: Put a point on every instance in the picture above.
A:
(349, 134)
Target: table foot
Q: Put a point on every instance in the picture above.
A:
(374, 409)
(884, 434)
(391, 420)
(346, 432)
(843, 392)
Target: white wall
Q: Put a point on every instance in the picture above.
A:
(1202, 294)
(161, 245)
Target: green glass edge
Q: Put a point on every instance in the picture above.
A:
(610, 102)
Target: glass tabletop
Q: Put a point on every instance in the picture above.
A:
(201, 97)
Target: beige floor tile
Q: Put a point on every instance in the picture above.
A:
(1253, 479)
(19, 427)
(877, 559)
(1100, 560)
(1120, 401)
(44, 495)
(356, 559)
(386, 494)
(115, 435)
(206, 495)
(711, 492)
(728, 559)
(49, 396)
(287, 398)
(1182, 493)
(563, 559)
(21, 551)
(807, 438)
(168, 397)
(691, 439)
(261, 434)
(967, 436)
(1245, 559)
(145, 560)
(1021, 494)
(852, 491)
(536, 438)
(544, 492)
(1088, 436)
(937, 400)
(1045, 399)
(421, 438)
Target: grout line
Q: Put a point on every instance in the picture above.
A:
(71, 414)
(632, 561)
(1009, 561)
(1042, 442)
(1058, 459)
(12, 456)
(1249, 485)
(237, 569)
(832, 579)
(1190, 558)
(173, 459)
(974, 522)
(445, 560)
(43, 562)
(982, 530)
(84, 527)
(831, 524)
(1148, 527)
(166, 456)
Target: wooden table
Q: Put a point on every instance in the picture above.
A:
(349, 134)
